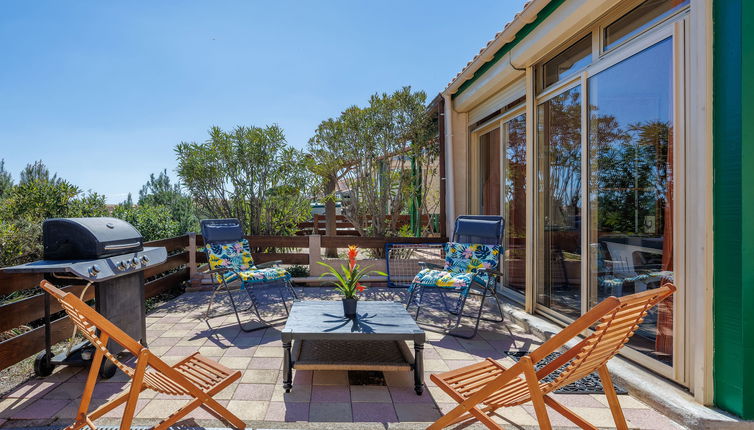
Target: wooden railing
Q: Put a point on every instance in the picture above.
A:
(184, 263)
(343, 226)
(19, 313)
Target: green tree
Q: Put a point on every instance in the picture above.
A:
(6, 180)
(251, 174)
(379, 153)
(153, 222)
(36, 197)
(159, 191)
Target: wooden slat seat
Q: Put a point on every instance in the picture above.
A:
(483, 387)
(195, 376)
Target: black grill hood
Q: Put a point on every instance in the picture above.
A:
(89, 238)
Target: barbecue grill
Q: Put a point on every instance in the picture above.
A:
(109, 254)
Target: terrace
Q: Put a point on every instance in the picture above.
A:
(319, 399)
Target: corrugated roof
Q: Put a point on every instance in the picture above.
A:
(483, 53)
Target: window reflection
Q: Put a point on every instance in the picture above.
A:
(631, 187)
(514, 210)
(489, 173)
(559, 174)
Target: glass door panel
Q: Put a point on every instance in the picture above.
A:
(514, 203)
(631, 187)
(489, 173)
(559, 201)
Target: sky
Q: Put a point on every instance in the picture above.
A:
(102, 92)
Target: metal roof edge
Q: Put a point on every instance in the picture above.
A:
(533, 14)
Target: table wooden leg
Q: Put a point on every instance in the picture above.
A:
(287, 367)
(418, 368)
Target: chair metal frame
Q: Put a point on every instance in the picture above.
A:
(488, 289)
(195, 376)
(233, 233)
(491, 384)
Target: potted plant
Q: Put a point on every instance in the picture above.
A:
(347, 281)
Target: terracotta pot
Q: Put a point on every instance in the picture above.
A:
(349, 307)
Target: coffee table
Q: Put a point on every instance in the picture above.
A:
(374, 340)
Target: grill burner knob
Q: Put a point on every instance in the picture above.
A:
(144, 259)
(122, 265)
(134, 262)
(94, 270)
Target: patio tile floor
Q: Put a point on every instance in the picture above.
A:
(176, 329)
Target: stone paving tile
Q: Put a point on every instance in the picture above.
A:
(330, 393)
(41, 408)
(408, 395)
(160, 408)
(330, 412)
(649, 419)
(266, 363)
(298, 394)
(370, 393)
(201, 413)
(239, 363)
(318, 396)
(250, 410)
(260, 376)
(32, 389)
(254, 392)
(374, 412)
(417, 412)
(288, 412)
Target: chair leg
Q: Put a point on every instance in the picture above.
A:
(537, 397)
(612, 399)
(562, 410)
(411, 292)
(133, 394)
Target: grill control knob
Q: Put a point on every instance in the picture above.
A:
(122, 265)
(144, 259)
(134, 262)
(94, 270)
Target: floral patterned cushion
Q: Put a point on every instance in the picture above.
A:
(443, 278)
(468, 257)
(237, 256)
(264, 275)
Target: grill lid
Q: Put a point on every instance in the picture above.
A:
(88, 238)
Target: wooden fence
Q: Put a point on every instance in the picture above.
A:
(21, 312)
(184, 255)
(343, 226)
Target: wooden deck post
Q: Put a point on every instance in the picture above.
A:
(315, 254)
(195, 281)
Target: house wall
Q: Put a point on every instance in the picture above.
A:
(486, 92)
(734, 206)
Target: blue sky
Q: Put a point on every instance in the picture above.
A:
(103, 91)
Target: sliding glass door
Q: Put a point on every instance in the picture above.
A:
(514, 203)
(631, 158)
(560, 203)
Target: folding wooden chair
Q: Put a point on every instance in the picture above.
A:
(195, 375)
(484, 387)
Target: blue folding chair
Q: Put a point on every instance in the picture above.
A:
(229, 257)
(471, 267)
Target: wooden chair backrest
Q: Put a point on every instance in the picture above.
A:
(90, 322)
(617, 319)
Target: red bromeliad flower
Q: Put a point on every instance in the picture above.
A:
(353, 251)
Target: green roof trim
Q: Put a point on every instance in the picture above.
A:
(525, 30)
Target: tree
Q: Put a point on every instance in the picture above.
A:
(375, 152)
(36, 197)
(6, 180)
(159, 191)
(37, 171)
(329, 155)
(153, 222)
(251, 174)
